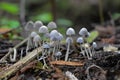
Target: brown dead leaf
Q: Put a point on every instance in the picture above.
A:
(4, 30)
(68, 63)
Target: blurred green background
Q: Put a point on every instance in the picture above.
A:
(66, 13)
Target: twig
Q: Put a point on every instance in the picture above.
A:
(21, 63)
(10, 51)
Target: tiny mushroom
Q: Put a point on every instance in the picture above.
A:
(37, 25)
(70, 32)
(30, 41)
(81, 41)
(37, 40)
(29, 26)
(69, 41)
(94, 46)
(83, 32)
(52, 25)
(57, 55)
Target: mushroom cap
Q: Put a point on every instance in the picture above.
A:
(29, 26)
(52, 25)
(46, 46)
(83, 32)
(37, 38)
(37, 25)
(70, 31)
(54, 35)
(80, 40)
(33, 34)
(57, 54)
(43, 29)
(69, 40)
(94, 45)
(60, 37)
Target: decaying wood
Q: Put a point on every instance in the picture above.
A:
(17, 66)
(10, 51)
(68, 63)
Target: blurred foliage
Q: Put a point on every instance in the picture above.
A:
(116, 16)
(8, 23)
(9, 7)
(93, 36)
(44, 17)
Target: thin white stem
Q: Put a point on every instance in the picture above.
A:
(67, 53)
(21, 54)
(86, 51)
(83, 53)
(13, 58)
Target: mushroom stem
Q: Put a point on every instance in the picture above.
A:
(86, 51)
(67, 53)
(21, 54)
(13, 58)
(82, 51)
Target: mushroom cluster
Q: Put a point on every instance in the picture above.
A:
(49, 39)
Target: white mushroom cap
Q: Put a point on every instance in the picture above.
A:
(54, 35)
(69, 40)
(29, 26)
(60, 37)
(83, 32)
(80, 40)
(33, 34)
(36, 38)
(52, 25)
(37, 25)
(43, 29)
(94, 45)
(70, 31)
(57, 54)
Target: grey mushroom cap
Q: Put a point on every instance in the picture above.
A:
(52, 25)
(37, 25)
(70, 31)
(46, 46)
(54, 34)
(60, 37)
(80, 40)
(33, 34)
(94, 45)
(57, 54)
(83, 32)
(69, 40)
(43, 29)
(37, 38)
(29, 26)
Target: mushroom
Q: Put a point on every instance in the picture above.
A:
(37, 42)
(84, 33)
(69, 41)
(57, 55)
(37, 25)
(44, 52)
(52, 25)
(29, 26)
(54, 38)
(94, 46)
(81, 41)
(30, 41)
(43, 30)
